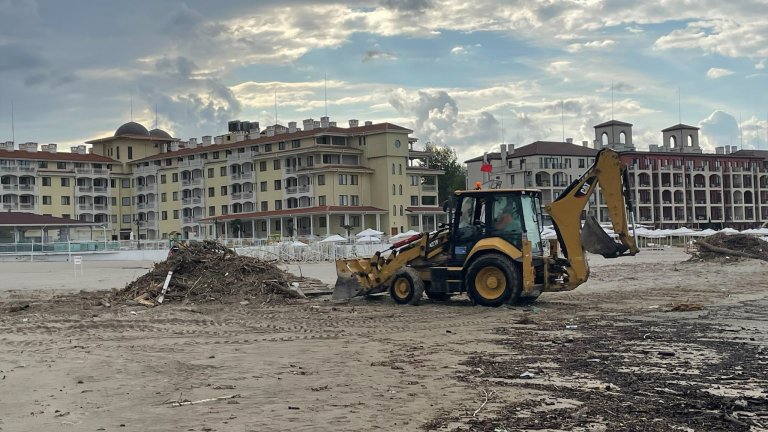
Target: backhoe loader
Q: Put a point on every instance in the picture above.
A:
(492, 247)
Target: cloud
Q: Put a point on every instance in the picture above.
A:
(715, 73)
(594, 45)
(718, 129)
(760, 64)
(378, 55)
(459, 50)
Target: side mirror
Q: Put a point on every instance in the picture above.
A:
(446, 206)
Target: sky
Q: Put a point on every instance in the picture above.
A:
(465, 74)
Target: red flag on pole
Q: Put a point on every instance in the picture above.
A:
(486, 166)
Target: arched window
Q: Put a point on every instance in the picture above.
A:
(393, 168)
(690, 140)
(401, 210)
(604, 138)
(401, 189)
(672, 141)
(623, 137)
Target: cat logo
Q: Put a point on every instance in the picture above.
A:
(585, 188)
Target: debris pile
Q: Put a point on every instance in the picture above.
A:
(208, 271)
(721, 245)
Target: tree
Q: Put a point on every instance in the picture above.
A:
(455, 177)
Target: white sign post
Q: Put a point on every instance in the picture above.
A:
(77, 260)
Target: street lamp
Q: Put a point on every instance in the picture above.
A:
(138, 223)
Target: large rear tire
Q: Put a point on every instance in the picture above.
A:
(407, 287)
(493, 280)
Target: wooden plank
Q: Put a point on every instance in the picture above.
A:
(165, 287)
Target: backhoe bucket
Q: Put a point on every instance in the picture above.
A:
(597, 241)
(347, 284)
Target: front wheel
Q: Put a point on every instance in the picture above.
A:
(493, 280)
(407, 287)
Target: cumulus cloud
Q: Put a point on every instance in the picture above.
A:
(715, 73)
(577, 47)
(718, 129)
(459, 50)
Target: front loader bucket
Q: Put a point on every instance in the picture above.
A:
(347, 283)
(597, 241)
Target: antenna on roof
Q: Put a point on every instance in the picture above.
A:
(611, 100)
(275, 105)
(741, 135)
(131, 104)
(562, 117)
(155, 116)
(326, 94)
(13, 127)
(502, 128)
(679, 108)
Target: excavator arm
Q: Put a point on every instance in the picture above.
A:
(566, 211)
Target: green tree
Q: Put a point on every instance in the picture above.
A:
(455, 177)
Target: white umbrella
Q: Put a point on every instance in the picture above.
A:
(369, 232)
(404, 235)
(681, 232)
(729, 231)
(368, 239)
(333, 239)
(705, 233)
(297, 243)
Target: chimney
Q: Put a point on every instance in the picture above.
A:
(332, 124)
(653, 147)
(80, 149)
(206, 140)
(727, 149)
(8, 145)
(324, 121)
(255, 128)
(510, 149)
(291, 127)
(597, 144)
(503, 153)
(270, 131)
(309, 124)
(29, 146)
(192, 142)
(719, 150)
(585, 143)
(218, 140)
(569, 140)
(368, 123)
(239, 136)
(52, 148)
(317, 124)
(353, 123)
(174, 146)
(734, 149)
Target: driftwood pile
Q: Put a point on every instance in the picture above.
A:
(720, 246)
(210, 272)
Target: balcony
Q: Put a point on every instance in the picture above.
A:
(19, 188)
(194, 182)
(95, 171)
(304, 189)
(239, 196)
(85, 189)
(241, 157)
(100, 189)
(146, 205)
(151, 169)
(191, 201)
(290, 169)
(245, 175)
(429, 188)
(17, 169)
(187, 220)
(146, 187)
(291, 190)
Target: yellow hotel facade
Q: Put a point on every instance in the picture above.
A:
(282, 181)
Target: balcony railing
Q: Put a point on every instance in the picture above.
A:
(240, 157)
(290, 190)
(429, 188)
(245, 175)
(191, 201)
(194, 182)
(20, 187)
(95, 171)
(304, 189)
(146, 187)
(237, 196)
(85, 189)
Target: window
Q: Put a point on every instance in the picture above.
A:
(216, 155)
(163, 197)
(394, 190)
(400, 188)
(581, 163)
(354, 200)
(276, 164)
(64, 200)
(394, 210)
(46, 181)
(281, 145)
(321, 180)
(343, 200)
(400, 169)
(414, 181)
(126, 218)
(62, 165)
(342, 179)
(278, 204)
(264, 206)
(321, 200)
(277, 185)
(168, 162)
(126, 201)
(112, 183)
(414, 200)
(118, 152)
(64, 182)
(46, 200)
(42, 164)
(401, 210)
(414, 220)
(263, 166)
(263, 186)
(211, 192)
(125, 183)
(295, 143)
(212, 211)
(113, 201)
(223, 191)
(353, 179)
(164, 215)
(322, 222)
(310, 161)
(163, 178)
(175, 196)
(210, 172)
(267, 147)
(175, 177)
(175, 214)
(393, 168)
(222, 172)
(130, 152)
(224, 210)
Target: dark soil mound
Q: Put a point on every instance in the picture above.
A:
(719, 246)
(208, 271)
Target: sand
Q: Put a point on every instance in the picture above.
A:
(374, 365)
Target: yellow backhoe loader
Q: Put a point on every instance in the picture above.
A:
(492, 247)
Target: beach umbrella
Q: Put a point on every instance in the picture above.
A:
(369, 232)
(333, 239)
(368, 239)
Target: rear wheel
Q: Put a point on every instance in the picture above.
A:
(493, 280)
(407, 287)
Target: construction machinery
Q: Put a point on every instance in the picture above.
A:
(492, 247)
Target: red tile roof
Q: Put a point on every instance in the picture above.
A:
(33, 219)
(58, 156)
(297, 212)
(379, 127)
(553, 148)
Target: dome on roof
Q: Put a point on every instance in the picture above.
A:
(159, 133)
(131, 128)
